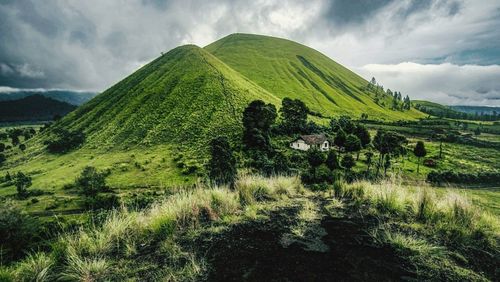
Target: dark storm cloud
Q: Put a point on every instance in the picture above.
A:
(352, 12)
(92, 44)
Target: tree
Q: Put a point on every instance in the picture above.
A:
(419, 152)
(2, 147)
(387, 142)
(348, 162)
(332, 160)
(64, 141)
(22, 147)
(294, 115)
(477, 131)
(222, 165)
(22, 183)
(315, 158)
(387, 164)
(18, 231)
(363, 134)
(353, 144)
(91, 182)
(369, 158)
(2, 159)
(15, 140)
(257, 120)
(340, 139)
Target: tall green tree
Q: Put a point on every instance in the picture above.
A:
(2, 158)
(363, 134)
(369, 160)
(91, 181)
(294, 115)
(332, 160)
(387, 164)
(348, 162)
(386, 143)
(353, 144)
(22, 183)
(315, 158)
(222, 165)
(258, 117)
(419, 152)
(340, 139)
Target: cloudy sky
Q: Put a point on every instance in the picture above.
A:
(446, 51)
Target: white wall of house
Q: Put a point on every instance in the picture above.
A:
(325, 146)
(300, 145)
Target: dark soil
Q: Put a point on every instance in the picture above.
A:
(252, 252)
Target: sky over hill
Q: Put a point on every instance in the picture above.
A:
(441, 50)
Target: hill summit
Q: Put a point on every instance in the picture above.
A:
(183, 96)
(191, 94)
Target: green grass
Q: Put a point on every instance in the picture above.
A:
(288, 69)
(109, 251)
(442, 233)
(134, 171)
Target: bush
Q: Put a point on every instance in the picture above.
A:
(464, 178)
(17, 230)
(65, 141)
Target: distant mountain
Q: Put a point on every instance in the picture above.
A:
(71, 97)
(458, 112)
(477, 109)
(33, 108)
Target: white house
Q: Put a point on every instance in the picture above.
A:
(305, 142)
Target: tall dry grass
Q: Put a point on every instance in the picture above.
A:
(88, 254)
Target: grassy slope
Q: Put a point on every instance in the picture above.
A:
(174, 104)
(289, 69)
(184, 96)
(266, 226)
(435, 107)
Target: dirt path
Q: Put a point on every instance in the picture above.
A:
(255, 251)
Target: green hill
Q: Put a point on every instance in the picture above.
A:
(190, 94)
(185, 96)
(289, 69)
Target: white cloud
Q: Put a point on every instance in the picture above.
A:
(93, 44)
(443, 83)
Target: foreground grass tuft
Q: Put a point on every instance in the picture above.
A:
(438, 232)
(95, 253)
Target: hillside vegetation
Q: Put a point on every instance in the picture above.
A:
(383, 231)
(289, 69)
(182, 97)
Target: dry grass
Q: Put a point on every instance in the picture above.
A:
(88, 254)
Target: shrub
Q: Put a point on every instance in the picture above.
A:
(22, 183)
(65, 141)
(36, 267)
(17, 230)
(2, 158)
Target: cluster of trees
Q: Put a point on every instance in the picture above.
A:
(439, 177)
(450, 113)
(64, 141)
(398, 102)
(348, 136)
(14, 134)
(259, 120)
